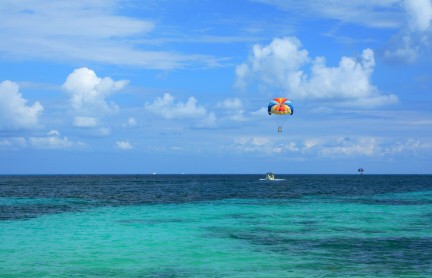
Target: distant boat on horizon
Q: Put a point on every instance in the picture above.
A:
(270, 176)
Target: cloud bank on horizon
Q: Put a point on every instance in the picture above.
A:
(129, 78)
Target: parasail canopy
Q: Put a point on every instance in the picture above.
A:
(280, 106)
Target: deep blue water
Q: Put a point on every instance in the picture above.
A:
(80, 192)
(216, 225)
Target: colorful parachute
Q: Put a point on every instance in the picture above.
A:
(280, 106)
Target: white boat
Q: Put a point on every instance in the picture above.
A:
(270, 176)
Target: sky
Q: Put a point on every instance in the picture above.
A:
(182, 86)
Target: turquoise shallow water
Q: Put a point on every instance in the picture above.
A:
(376, 231)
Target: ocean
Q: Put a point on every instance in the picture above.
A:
(216, 226)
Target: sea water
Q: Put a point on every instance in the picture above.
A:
(216, 226)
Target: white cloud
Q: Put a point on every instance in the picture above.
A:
(85, 122)
(419, 14)
(252, 144)
(124, 145)
(371, 13)
(231, 103)
(263, 145)
(340, 147)
(333, 147)
(13, 143)
(208, 122)
(53, 133)
(83, 31)
(411, 146)
(85, 19)
(103, 131)
(414, 40)
(284, 63)
(132, 122)
(412, 19)
(242, 72)
(168, 109)
(233, 110)
(403, 49)
(261, 113)
(88, 92)
(274, 63)
(88, 97)
(54, 141)
(311, 142)
(420, 122)
(14, 111)
(367, 146)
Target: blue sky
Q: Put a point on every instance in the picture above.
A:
(182, 86)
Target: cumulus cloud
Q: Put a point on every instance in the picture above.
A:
(14, 111)
(411, 18)
(274, 63)
(88, 92)
(284, 64)
(166, 107)
(416, 38)
(124, 145)
(88, 97)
